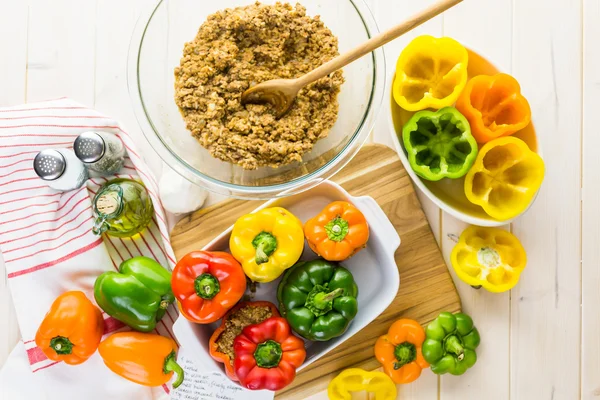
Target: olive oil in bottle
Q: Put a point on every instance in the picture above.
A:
(122, 208)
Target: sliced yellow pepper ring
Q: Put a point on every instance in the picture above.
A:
(488, 257)
(356, 380)
(505, 178)
(430, 73)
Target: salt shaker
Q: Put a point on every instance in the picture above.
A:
(60, 168)
(101, 152)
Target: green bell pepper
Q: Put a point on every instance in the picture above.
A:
(138, 295)
(439, 144)
(451, 340)
(318, 298)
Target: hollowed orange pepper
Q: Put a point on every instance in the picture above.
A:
(399, 351)
(337, 232)
(214, 347)
(71, 330)
(143, 358)
(494, 106)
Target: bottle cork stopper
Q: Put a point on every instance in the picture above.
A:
(108, 203)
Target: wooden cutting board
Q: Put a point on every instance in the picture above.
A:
(426, 287)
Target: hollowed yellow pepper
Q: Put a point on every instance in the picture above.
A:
(489, 257)
(267, 243)
(505, 178)
(430, 73)
(356, 380)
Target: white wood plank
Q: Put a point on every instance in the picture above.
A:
(590, 217)
(546, 313)
(490, 311)
(13, 70)
(61, 50)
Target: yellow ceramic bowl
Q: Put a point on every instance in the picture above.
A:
(448, 194)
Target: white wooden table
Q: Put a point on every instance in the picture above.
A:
(541, 340)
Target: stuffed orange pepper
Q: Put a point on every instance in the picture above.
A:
(71, 330)
(337, 232)
(143, 358)
(494, 106)
(399, 351)
(207, 284)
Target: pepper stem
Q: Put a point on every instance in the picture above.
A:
(454, 346)
(265, 245)
(171, 365)
(207, 286)
(489, 257)
(61, 345)
(337, 229)
(322, 300)
(268, 354)
(405, 353)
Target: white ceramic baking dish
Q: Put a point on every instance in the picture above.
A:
(374, 270)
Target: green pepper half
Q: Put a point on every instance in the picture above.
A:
(318, 298)
(439, 144)
(451, 340)
(138, 295)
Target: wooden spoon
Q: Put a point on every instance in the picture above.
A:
(282, 92)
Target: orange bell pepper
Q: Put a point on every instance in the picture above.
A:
(399, 351)
(214, 347)
(494, 106)
(337, 232)
(71, 330)
(143, 358)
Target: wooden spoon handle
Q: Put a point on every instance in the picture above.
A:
(376, 41)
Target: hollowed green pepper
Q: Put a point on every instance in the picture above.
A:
(439, 144)
(318, 298)
(138, 295)
(451, 340)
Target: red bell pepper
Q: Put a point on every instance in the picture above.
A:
(267, 355)
(207, 284)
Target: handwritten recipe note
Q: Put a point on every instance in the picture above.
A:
(200, 385)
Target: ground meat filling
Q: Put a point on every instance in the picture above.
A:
(238, 48)
(236, 322)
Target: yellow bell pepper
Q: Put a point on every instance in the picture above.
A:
(505, 178)
(489, 257)
(356, 380)
(430, 73)
(267, 243)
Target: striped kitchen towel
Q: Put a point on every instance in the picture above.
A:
(46, 237)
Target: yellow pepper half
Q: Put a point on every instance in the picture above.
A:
(488, 257)
(356, 380)
(505, 178)
(430, 73)
(267, 243)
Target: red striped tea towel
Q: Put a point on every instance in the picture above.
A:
(46, 236)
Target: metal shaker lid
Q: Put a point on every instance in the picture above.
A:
(89, 147)
(49, 164)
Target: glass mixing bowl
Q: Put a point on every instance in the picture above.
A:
(155, 51)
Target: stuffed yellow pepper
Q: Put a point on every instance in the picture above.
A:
(430, 73)
(488, 257)
(267, 243)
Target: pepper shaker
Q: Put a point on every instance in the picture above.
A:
(60, 168)
(101, 152)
